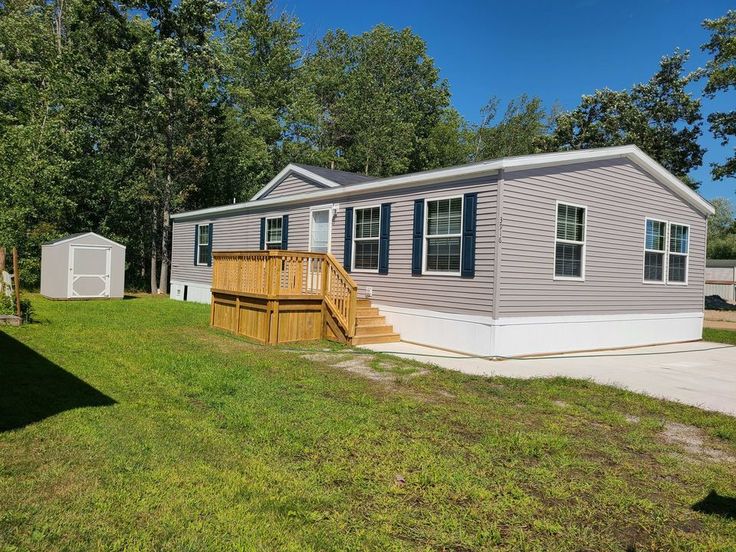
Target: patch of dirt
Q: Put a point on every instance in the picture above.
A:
(693, 441)
(561, 404)
(632, 419)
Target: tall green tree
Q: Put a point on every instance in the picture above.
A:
(521, 130)
(722, 230)
(660, 116)
(177, 122)
(720, 72)
(371, 102)
(259, 55)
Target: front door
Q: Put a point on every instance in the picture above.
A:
(319, 242)
(319, 236)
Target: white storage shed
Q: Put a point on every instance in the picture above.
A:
(82, 266)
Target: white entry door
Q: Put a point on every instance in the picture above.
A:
(319, 235)
(89, 271)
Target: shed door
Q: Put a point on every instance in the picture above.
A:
(89, 271)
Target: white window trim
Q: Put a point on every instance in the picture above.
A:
(663, 281)
(426, 237)
(686, 255)
(199, 245)
(355, 239)
(331, 209)
(583, 254)
(265, 232)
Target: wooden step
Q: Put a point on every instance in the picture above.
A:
(380, 338)
(365, 303)
(367, 311)
(361, 331)
(371, 321)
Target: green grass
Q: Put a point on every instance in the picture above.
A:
(133, 425)
(720, 336)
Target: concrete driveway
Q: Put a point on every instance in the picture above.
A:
(701, 374)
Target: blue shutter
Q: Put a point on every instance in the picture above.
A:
(285, 232)
(384, 238)
(196, 243)
(262, 245)
(470, 208)
(417, 238)
(348, 250)
(209, 248)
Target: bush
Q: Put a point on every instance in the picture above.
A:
(7, 306)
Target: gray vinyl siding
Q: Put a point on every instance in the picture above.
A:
(618, 196)
(451, 294)
(292, 184)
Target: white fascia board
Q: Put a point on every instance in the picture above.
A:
(510, 164)
(290, 168)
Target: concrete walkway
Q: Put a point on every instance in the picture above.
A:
(701, 374)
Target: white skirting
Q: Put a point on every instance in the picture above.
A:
(517, 336)
(197, 293)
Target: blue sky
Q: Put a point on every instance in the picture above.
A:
(557, 50)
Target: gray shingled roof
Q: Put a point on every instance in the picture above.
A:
(344, 178)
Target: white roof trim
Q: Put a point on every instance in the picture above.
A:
(291, 168)
(80, 236)
(524, 162)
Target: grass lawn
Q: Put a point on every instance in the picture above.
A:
(719, 336)
(133, 425)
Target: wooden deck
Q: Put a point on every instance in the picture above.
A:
(287, 296)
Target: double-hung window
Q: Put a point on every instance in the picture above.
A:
(274, 233)
(366, 240)
(203, 244)
(678, 252)
(570, 242)
(654, 250)
(666, 250)
(443, 235)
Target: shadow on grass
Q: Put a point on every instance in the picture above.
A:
(723, 506)
(33, 388)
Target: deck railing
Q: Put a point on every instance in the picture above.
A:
(261, 293)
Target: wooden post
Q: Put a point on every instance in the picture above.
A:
(16, 281)
(2, 259)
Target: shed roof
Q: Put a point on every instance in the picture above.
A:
(720, 263)
(71, 237)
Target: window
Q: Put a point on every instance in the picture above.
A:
(203, 244)
(367, 231)
(570, 242)
(678, 249)
(274, 228)
(656, 237)
(444, 226)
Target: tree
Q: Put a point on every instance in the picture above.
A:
(720, 71)
(259, 56)
(177, 120)
(660, 116)
(722, 230)
(371, 102)
(521, 131)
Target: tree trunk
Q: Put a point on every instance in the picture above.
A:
(154, 257)
(163, 283)
(58, 22)
(166, 199)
